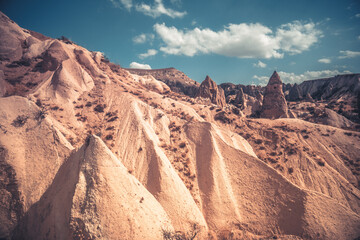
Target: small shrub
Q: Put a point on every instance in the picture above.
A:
(20, 121)
(182, 145)
(160, 115)
(109, 137)
(88, 104)
(41, 114)
(258, 141)
(100, 107)
(112, 119)
(290, 170)
(38, 102)
(321, 163)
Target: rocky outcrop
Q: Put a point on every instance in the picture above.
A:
(240, 98)
(274, 103)
(209, 89)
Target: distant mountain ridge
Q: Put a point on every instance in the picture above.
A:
(175, 79)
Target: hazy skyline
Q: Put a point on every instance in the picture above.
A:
(231, 41)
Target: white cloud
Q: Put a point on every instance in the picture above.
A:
(358, 37)
(298, 78)
(349, 54)
(158, 9)
(126, 3)
(150, 52)
(296, 37)
(142, 38)
(260, 64)
(139, 65)
(239, 40)
(324, 60)
(357, 15)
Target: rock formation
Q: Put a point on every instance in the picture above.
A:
(294, 93)
(240, 99)
(274, 103)
(308, 98)
(209, 89)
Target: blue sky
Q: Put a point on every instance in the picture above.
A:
(239, 41)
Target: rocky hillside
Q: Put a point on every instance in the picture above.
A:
(89, 150)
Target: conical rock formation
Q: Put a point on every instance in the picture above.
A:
(209, 89)
(294, 94)
(274, 103)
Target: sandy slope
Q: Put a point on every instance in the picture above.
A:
(94, 197)
(32, 152)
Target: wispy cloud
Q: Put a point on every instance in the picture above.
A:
(158, 9)
(349, 54)
(155, 10)
(142, 38)
(357, 15)
(298, 78)
(240, 40)
(125, 3)
(259, 64)
(324, 60)
(150, 52)
(139, 65)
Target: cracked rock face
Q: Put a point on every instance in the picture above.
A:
(274, 104)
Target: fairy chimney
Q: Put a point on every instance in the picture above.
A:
(274, 103)
(209, 89)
